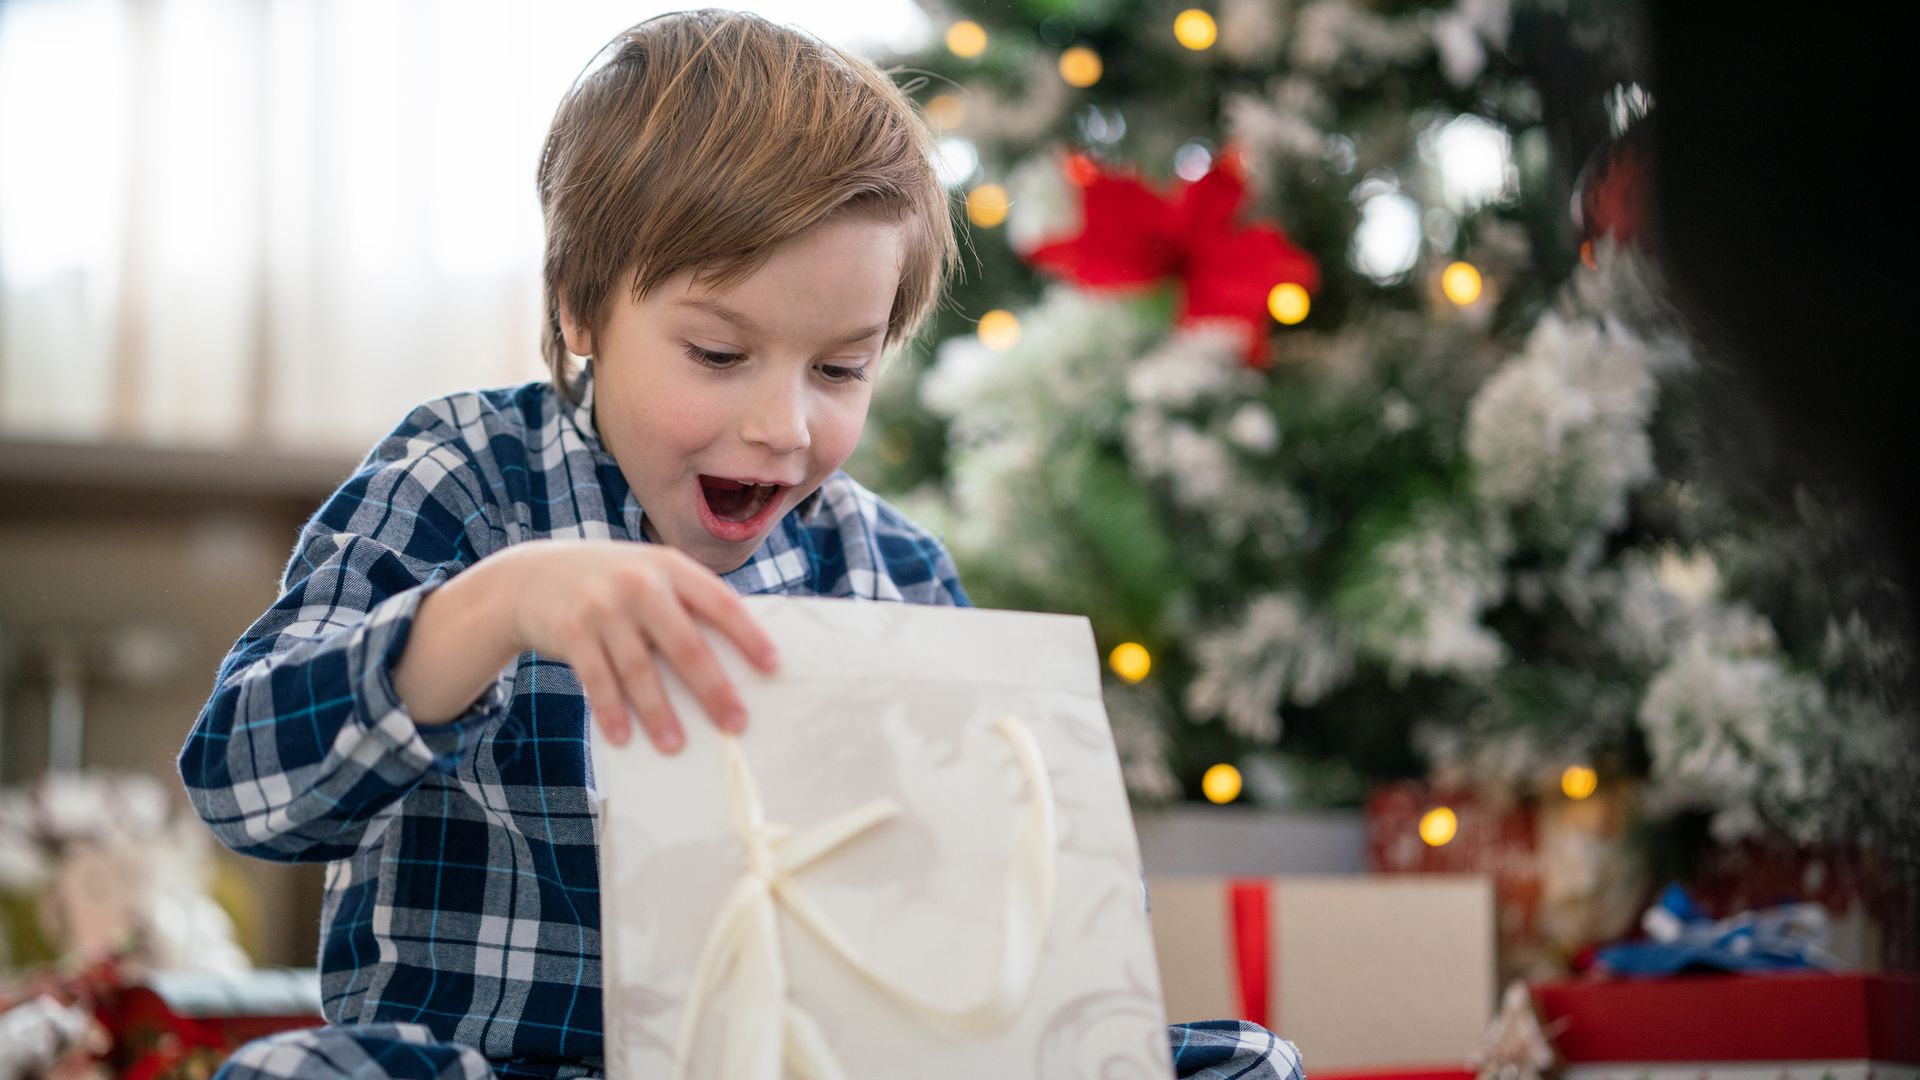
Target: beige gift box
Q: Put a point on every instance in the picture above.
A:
(1362, 971)
(918, 860)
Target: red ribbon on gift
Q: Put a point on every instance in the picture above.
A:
(1249, 904)
(1133, 236)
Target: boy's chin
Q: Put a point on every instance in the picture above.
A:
(709, 551)
(727, 563)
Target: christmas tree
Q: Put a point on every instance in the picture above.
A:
(1318, 352)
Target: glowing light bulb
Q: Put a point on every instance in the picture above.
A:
(967, 39)
(1461, 282)
(1194, 29)
(1289, 303)
(1080, 66)
(1579, 781)
(987, 205)
(999, 329)
(1221, 784)
(945, 111)
(1438, 825)
(1130, 660)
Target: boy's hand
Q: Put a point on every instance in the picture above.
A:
(608, 608)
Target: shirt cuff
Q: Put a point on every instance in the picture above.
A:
(389, 728)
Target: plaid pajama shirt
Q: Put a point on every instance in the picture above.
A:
(460, 927)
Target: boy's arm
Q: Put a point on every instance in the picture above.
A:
(946, 579)
(305, 740)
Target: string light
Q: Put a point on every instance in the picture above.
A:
(1438, 826)
(1461, 282)
(1080, 66)
(967, 39)
(1194, 29)
(1288, 303)
(945, 111)
(1130, 660)
(1221, 784)
(1579, 781)
(987, 205)
(999, 329)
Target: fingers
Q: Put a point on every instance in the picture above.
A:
(673, 633)
(651, 608)
(708, 597)
(640, 685)
(604, 698)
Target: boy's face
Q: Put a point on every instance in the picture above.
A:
(726, 408)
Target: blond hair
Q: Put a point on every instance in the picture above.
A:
(708, 138)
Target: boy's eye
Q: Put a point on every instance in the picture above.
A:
(839, 373)
(713, 359)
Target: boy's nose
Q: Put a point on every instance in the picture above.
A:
(776, 418)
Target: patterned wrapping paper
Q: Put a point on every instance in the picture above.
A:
(904, 703)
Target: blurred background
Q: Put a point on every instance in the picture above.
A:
(1421, 399)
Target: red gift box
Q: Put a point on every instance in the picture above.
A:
(1776, 1025)
(187, 1024)
(1491, 837)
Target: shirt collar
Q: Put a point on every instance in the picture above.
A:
(781, 563)
(580, 410)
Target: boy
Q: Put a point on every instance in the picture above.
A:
(740, 220)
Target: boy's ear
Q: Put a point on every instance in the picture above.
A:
(578, 337)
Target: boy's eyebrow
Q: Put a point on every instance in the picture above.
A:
(727, 314)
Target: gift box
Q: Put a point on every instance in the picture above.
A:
(1786, 1026)
(918, 860)
(1366, 972)
(138, 1025)
(1493, 837)
(188, 1022)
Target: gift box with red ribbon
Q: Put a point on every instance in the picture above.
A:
(1777, 1026)
(1488, 837)
(1363, 972)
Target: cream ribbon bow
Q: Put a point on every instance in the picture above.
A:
(765, 1027)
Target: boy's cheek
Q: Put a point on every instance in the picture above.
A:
(840, 444)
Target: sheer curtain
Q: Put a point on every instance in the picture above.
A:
(244, 222)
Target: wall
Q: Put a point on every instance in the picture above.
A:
(140, 567)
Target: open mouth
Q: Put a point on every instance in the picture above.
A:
(735, 501)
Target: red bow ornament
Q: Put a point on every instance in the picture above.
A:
(1133, 236)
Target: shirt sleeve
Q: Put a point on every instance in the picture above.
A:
(911, 559)
(946, 578)
(304, 741)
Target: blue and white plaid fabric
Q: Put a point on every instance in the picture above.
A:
(1221, 1050)
(1232, 1050)
(462, 902)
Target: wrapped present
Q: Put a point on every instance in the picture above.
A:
(111, 1018)
(918, 860)
(1873, 918)
(1774, 1026)
(176, 1023)
(1381, 973)
(1681, 936)
(1567, 873)
(1493, 837)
